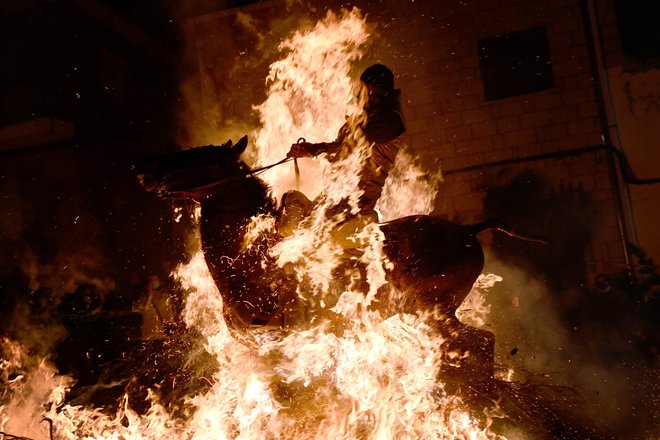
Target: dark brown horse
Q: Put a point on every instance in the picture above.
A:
(435, 262)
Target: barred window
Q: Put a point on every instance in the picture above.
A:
(515, 64)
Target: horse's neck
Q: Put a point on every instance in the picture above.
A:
(226, 213)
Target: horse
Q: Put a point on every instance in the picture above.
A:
(434, 261)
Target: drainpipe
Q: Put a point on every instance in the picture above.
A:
(588, 16)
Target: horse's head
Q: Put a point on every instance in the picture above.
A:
(187, 173)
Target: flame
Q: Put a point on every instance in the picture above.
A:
(351, 373)
(474, 310)
(408, 190)
(358, 374)
(310, 93)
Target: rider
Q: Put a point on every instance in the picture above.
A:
(382, 124)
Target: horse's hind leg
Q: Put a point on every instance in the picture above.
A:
(295, 207)
(469, 352)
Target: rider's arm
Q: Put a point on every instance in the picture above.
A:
(308, 149)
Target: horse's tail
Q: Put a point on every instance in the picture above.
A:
(493, 224)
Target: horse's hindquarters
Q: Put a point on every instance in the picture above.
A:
(436, 260)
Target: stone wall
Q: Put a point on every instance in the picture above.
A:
(486, 145)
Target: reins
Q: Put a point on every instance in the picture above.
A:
(267, 167)
(239, 176)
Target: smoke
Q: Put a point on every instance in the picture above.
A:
(56, 247)
(51, 263)
(69, 270)
(538, 339)
(225, 63)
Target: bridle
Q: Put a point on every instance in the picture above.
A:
(237, 176)
(267, 167)
(258, 170)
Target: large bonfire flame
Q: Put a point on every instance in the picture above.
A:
(379, 377)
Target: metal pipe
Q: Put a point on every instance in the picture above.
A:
(612, 111)
(603, 120)
(624, 167)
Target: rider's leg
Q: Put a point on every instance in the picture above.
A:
(295, 207)
(346, 234)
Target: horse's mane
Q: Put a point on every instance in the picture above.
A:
(228, 211)
(250, 194)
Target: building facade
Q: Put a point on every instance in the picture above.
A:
(523, 104)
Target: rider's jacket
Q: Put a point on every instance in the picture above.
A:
(382, 125)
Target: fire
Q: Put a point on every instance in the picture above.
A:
(309, 95)
(474, 310)
(352, 372)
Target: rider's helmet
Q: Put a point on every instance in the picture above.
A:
(384, 115)
(379, 76)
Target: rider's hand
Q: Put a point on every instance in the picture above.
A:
(300, 149)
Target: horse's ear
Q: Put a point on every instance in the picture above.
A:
(240, 146)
